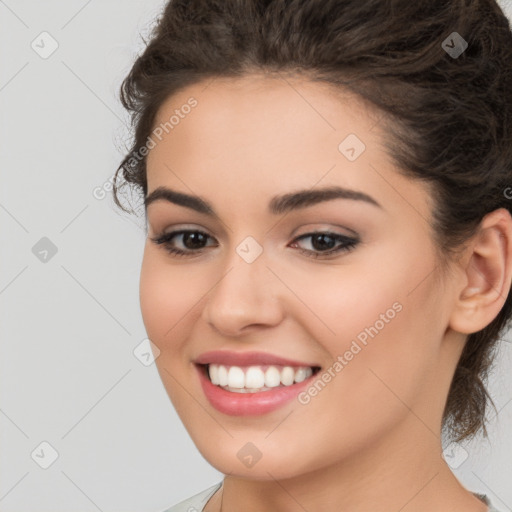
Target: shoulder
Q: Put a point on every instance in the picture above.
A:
(195, 503)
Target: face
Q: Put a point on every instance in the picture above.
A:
(344, 283)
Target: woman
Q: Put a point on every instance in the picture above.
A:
(328, 265)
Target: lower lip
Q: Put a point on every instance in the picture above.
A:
(249, 404)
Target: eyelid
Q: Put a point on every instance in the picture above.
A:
(322, 227)
(348, 243)
(325, 227)
(178, 227)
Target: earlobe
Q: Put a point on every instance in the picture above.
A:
(486, 278)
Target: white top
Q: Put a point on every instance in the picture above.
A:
(197, 502)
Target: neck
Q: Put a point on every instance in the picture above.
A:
(405, 473)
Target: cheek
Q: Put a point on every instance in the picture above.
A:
(342, 301)
(167, 302)
(388, 360)
(383, 319)
(167, 296)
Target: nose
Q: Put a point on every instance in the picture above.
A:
(245, 297)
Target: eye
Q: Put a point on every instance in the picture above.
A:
(323, 241)
(193, 240)
(190, 238)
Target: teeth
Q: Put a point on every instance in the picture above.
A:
(236, 377)
(223, 376)
(256, 378)
(272, 377)
(287, 376)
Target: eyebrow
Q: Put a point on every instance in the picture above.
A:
(277, 205)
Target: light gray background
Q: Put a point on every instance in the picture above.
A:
(69, 326)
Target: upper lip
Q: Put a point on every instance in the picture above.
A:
(247, 359)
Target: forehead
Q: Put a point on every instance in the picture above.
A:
(261, 136)
(274, 123)
(255, 102)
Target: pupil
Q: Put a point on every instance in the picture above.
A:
(322, 245)
(193, 236)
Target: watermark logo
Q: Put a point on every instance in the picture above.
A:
(455, 455)
(44, 250)
(341, 361)
(44, 45)
(146, 352)
(454, 45)
(168, 126)
(101, 192)
(249, 249)
(174, 120)
(44, 455)
(351, 147)
(249, 455)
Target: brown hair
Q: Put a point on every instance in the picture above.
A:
(447, 117)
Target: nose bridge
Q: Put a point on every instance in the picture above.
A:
(246, 274)
(245, 293)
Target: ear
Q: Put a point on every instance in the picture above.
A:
(486, 274)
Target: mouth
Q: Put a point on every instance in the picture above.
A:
(255, 378)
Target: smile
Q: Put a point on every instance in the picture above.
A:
(254, 397)
(255, 379)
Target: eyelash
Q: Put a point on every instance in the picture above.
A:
(349, 243)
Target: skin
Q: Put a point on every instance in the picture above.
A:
(370, 440)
